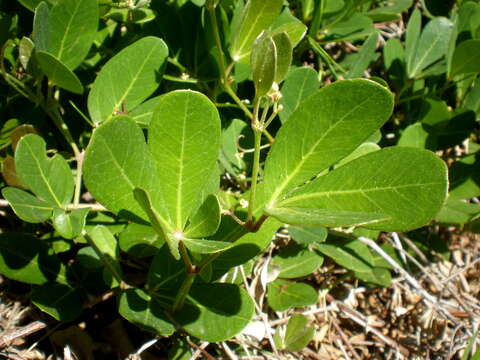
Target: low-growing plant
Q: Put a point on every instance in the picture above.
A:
(163, 134)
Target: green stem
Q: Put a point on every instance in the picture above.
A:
(317, 17)
(185, 257)
(183, 292)
(256, 166)
(179, 79)
(179, 66)
(105, 261)
(78, 180)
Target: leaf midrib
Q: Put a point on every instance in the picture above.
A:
(67, 30)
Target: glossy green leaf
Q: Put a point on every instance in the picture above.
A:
(299, 84)
(26, 206)
(283, 48)
(283, 295)
(165, 274)
(264, 64)
(364, 57)
(73, 27)
(295, 261)
(257, 16)
(465, 58)
(365, 148)
(298, 333)
(28, 259)
(106, 247)
(412, 35)
(58, 73)
(432, 45)
(343, 257)
(216, 312)
(203, 246)
(380, 182)
(184, 138)
(308, 234)
(134, 77)
(319, 132)
(144, 311)
(69, 225)
(206, 220)
(60, 301)
(415, 135)
(117, 161)
(49, 178)
(140, 240)
(41, 27)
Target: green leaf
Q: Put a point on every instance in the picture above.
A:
(41, 27)
(264, 64)
(413, 32)
(299, 84)
(298, 333)
(308, 216)
(308, 234)
(457, 212)
(356, 27)
(365, 148)
(60, 301)
(319, 133)
(144, 311)
(117, 161)
(158, 223)
(26, 206)
(184, 138)
(69, 225)
(58, 73)
(204, 246)
(165, 273)
(106, 247)
(465, 58)
(464, 176)
(73, 27)
(143, 113)
(206, 220)
(380, 182)
(389, 12)
(127, 79)
(295, 261)
(25, 258)
(343, 257)
(216, 312)
(49, 178)
(283, 295)
(432, 45)
(289, 24)
(140, 240)
(257, 16)
(32, 4)
(364, 57)
(283, 48)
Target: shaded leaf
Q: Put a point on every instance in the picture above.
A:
(298, 333)
(295, 261)
(206, 220)
(308, 234)
(465, 58)
(264, 64)
(203, 246)
(283, 48)
(140, 240)
(41, 27)
(216, 312)
(60, 301)
(69, 225)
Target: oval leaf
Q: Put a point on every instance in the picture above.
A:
(465, 58)
(203, 246)
(295, 261)
(58, 300)
(206, 220)
(327, 126)
(58, 73)
(73, 27)
(184, 138)
(264, 64)
(283, 295)
(26, 206)
(127, 79)
(216, 312)
(117, 161)
(380, 182)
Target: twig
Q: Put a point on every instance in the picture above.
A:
(345, 339)
(200, 350)
(27, 330)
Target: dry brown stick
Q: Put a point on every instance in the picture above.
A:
(359, 319)
(201, 349)
(345, 339)
(29, 329)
